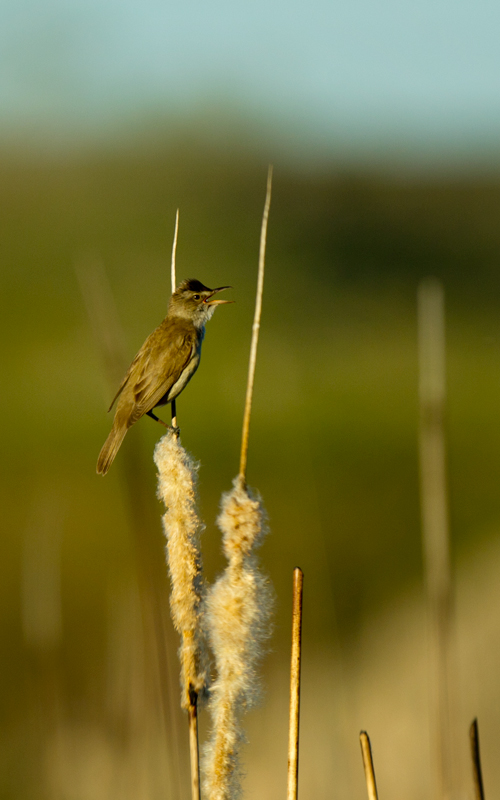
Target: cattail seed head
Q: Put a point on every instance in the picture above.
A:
(238, 610)
(177, 479)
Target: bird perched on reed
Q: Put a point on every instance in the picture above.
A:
(165, 363)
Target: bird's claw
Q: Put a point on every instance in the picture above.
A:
(174, 430)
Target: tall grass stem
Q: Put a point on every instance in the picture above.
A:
(255, 330)
(173, 281)
(366, 752)
(477, 772)
(194, 750)
(293, 728)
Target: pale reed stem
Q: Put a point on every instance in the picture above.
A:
(255, 330)
(174, 250)
(476, 761)
(435, 525)
(194, 750)
(293, 729)
(366, 752)
(173, 282)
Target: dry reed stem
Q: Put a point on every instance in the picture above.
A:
(293, 728)
(173, 280)
(173, 283)
(194, 750)
(435, 525)
(239, 604)
(366, 752)
(476, 761)
(255, 329)
(192, 694)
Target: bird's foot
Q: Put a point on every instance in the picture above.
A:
(173, 429)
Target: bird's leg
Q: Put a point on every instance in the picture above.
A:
(174, 430)
(157, 419)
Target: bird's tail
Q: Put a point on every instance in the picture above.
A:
(110, 448)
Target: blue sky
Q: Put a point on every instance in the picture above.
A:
(362, 73)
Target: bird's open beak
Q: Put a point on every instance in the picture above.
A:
(210, 302)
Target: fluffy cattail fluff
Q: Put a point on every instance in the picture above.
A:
(237, 620)
(177, 475)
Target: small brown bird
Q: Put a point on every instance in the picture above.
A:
(165, 363)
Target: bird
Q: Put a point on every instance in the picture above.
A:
(165, 363)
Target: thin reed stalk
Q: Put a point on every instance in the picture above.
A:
(194, 750)
(255, 329)
(366, 752)
(435, 524)
(177, 488)
(293, 728)
(239, 604)
(173, 281)
(477, 773)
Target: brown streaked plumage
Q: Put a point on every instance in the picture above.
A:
(165, 363)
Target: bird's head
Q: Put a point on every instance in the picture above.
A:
(194, 301)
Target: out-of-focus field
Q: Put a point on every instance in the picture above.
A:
(333, 452)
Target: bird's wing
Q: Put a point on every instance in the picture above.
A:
(157, 368)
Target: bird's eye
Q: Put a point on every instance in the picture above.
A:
(196, 297)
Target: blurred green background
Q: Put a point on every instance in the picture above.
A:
(334, 428)
(382, 123)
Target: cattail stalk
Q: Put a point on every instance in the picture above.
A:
(177, 488)
(191, 693)
(476, 761)
(174, 282)
(255, 329)
(238, 606)
(177, 474)
(293, 728)
(435, 524)
(366, 752)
